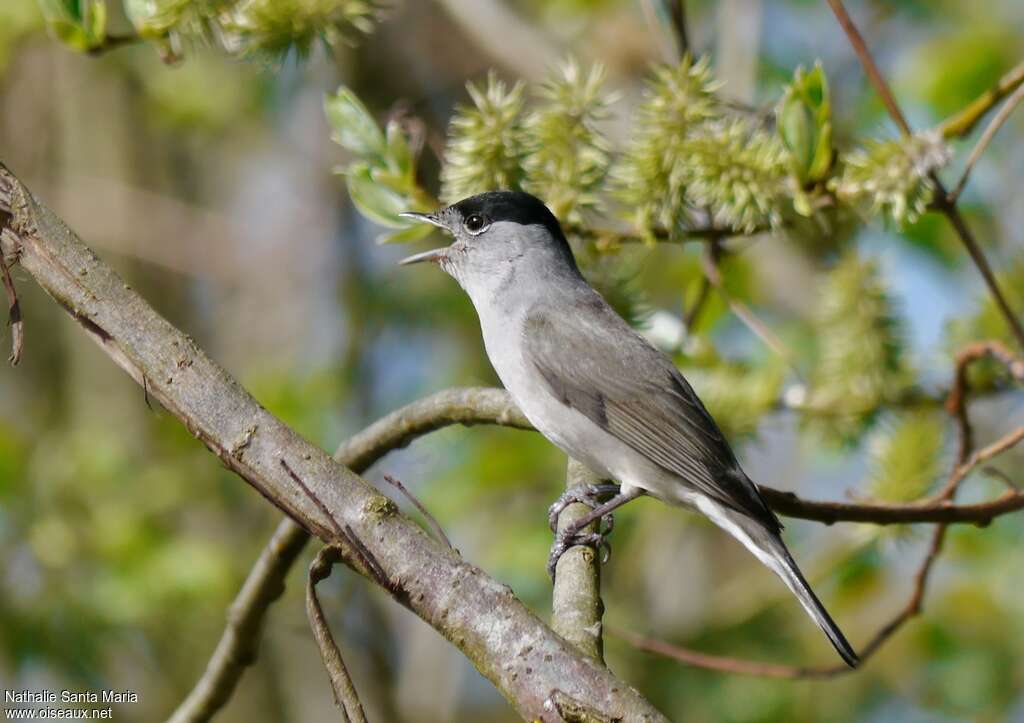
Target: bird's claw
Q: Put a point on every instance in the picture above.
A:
(572, 537)
(589, 495)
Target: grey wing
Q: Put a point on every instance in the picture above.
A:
(594, 363)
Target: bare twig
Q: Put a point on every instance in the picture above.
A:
(7, 260)
(943, 201)
(14, 319)
(956, 406)
(431, 520)
(677, 10)
(360, 559)
(113, 42)
(740, 666)
(238, 644)
(692, 315)
(952, 212)
(744, 313)
(861, 48)
(576, 607)
(966, 461)
(963, 122)
(990, 131)
(219, 412)
(1002, 477)
(345, 695)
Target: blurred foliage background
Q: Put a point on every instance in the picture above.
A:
(201, 163)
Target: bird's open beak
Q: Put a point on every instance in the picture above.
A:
(433, 255)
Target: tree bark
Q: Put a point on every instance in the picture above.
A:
(506, 642)
(576, 607)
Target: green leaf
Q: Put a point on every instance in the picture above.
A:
(805, 125)
(354, 127)
(400, 156)
(374, 200)
(79, 24)
(414, 232)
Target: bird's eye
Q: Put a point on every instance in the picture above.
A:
(476, 224)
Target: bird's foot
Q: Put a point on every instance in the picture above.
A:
(589, 495)
(573, 535)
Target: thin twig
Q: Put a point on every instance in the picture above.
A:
(990, 131)
(345, 695)
(967, 460)
(1002, 477)
(956, 399)
(943, 202)
(744, 313)
(861, 48)
(952, 212)
(677, 9)
(113, 42)
(692, 315)
(741, 666)
(239, 643)
(963, 122)
(14, 319)
(431, 520)
(344, 534)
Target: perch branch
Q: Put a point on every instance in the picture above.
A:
(966, 461)
(576, 607)
(239, 642)
(521, 656)
(740, 666)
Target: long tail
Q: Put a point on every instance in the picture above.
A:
(769, 548)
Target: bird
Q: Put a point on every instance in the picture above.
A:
(594, 387)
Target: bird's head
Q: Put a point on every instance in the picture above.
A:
(499, 235)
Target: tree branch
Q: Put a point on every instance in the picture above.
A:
(874, 75)
(524, 658)
(740, 666)
(239, 643)
(962, 123)
(990, 131)
(943, 202)
(576, 607)
(345, 695)
(250, 441)
(966, 461)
